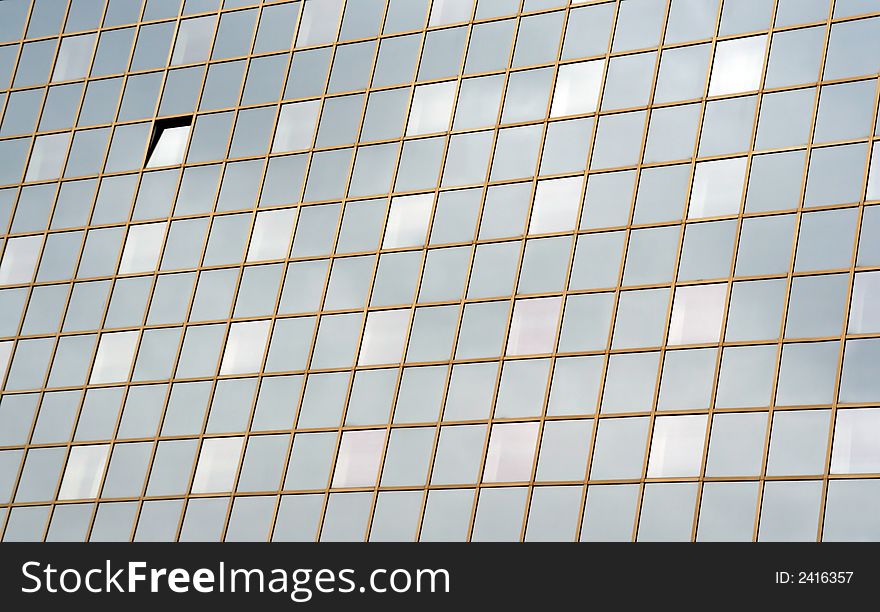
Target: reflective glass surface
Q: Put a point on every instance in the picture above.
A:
(438, 270)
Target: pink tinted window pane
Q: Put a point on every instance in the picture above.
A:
(357, 464)
(533, 329)
(511, 452)
(697, 314)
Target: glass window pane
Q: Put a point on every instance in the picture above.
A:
(609, 513)
(745, 16)
(533, 328)
(458, 455)
(499, 515)
(697, 314)
(857, 383)
(114, 357)
(84, 472)
(620, 394)
(737, 65)
(853, 48)
(691, 20)
(384, 337)
(217, 464)
(677, 446)
(863, 316)
(667, 512)
(641, 317)
(687, 379)
(47, 157)
(407, 221)
(357, 463)
(577, 89)
(143, 246)
(588, 31)
(717, 188)
(835, 175)
(431, 108)
(245, 346)
(639, 24)
(564, 450)
(620, 448)
(848, 515)
(736, 444)
(790, 511)
(853, 449)
(798, 442)
(628, 81)
(511, 452)
(727, 512)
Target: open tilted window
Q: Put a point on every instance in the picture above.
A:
(168, 143)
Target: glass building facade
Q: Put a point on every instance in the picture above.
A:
(451, 270)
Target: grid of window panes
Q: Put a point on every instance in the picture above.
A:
(461, 269)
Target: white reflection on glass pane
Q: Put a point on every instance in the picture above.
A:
(357, 464)
(47, 157)
(113, 361)
(170, 147)
(677, 446)
(5, 354)
(865, 314)
(384, 337)
(511, 451)
(556, 205)
(431, 108)
(84, 471)
(697, 314)
(408, 221)
(20, 259)
(319, 22)
(217, 463)
(450, 11)
(856, 442)
(874, 174)
(244, 347)
(718, 187)
(142, 248)
(193, 40)
(74, 58)
(296, 126)
(577, 89)
(533, 329)
(271, 235)
(737, 65)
